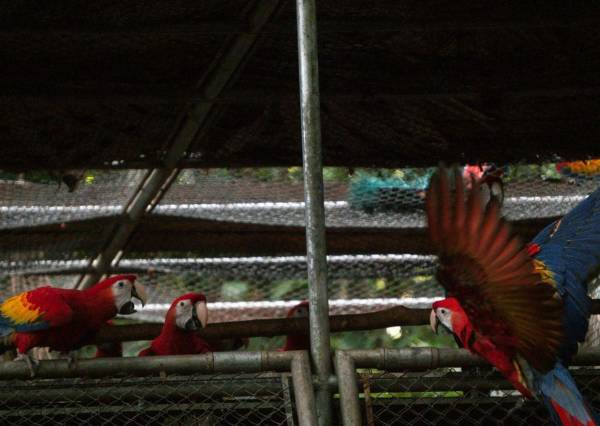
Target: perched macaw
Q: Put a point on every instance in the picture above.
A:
(522, 308)
(489, 177)
(65, 319)
(109, 349)
(297, 342)
(187, 314)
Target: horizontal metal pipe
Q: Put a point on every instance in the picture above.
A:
(217, 362)
(123, 393)
(458, 382)
(124, 412)
(430, 358)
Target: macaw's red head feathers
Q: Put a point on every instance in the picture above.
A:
(188, 312)
(449, 313)
(491, 274)
(122, 289)
(297, 342)
(299, 311)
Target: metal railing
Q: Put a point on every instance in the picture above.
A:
(230, 388)
(417, 386)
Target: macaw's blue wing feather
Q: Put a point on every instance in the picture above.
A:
(562, 398)
(570, 250)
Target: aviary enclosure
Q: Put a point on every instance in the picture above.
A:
(203, 147)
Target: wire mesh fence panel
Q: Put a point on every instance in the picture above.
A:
(224, 212)
(199, 400)
(60, 216)
(368, 197)
(261, 288)
(37, 198)
(465, 396)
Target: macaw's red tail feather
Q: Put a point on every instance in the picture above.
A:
(564, 400)
(567, 419)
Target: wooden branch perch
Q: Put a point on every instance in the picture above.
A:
(398, 315)
(391, 317)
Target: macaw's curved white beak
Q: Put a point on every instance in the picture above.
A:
(433, 321)
(201, 312)
(139, 292)
(199, 317)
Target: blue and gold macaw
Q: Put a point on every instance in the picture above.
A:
(524, 308)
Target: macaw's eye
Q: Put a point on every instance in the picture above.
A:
(443, 311)
(120, 283)
(181, 303)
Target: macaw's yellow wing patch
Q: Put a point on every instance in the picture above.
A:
(34, 310)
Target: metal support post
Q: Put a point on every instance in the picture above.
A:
(314, 201)
(348, 389)
(303, 390)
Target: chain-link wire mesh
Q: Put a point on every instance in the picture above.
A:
(48, 200)
(464, 396)
(199, 400)
(42, 218)
(274, 196)
(377, 198)
(42, 221)
(51, 235)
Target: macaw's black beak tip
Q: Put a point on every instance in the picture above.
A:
(193, 324)
(135, 295)
(127, 309)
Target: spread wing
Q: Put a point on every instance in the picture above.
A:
(34, 310)
(490, 272)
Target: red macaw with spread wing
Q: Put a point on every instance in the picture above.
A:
(522, 308)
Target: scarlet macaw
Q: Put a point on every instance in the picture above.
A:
(522, 308)
(65, 319)
(297, 342)
(489, 177)
(187, 314)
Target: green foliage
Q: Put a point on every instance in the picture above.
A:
(413, 336)
(282, 290)
(233, 291)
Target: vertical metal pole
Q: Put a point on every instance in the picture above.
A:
(315, 210)
(348, 389)
(303, 390)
